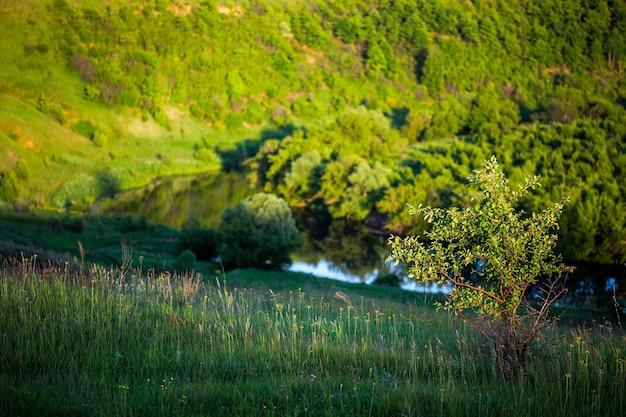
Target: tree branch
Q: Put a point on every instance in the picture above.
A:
(471, 287)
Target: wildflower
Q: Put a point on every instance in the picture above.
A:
(313, 376)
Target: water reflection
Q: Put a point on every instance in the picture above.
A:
(326, 269)
(342, 250)
(348, 252)
(596, 286)
(171, 201)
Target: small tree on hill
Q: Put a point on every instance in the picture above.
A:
(490, 254)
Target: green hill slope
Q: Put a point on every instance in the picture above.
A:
(400, 100)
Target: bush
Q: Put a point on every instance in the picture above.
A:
(259, 232)
(186, 261)
(51, 109)
(388, 280)
(205, 155)
(202, 241)
(490, 255)
(159, 116)
(134, 223)
(100, 139)
(22, 171)
(9, 187)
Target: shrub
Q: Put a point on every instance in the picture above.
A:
(186, 261)
(259, 232)
(160, 116)
(42, 48)
(100, 139)
(205, 155)
(9, 187)
(91, 93)
(490, 255)
(51, 109)
(202, 241)
(388, 280)
(134, 223)
(22, 170)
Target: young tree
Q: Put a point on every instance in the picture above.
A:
(490, 255)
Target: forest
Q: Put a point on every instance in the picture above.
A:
(351, 109)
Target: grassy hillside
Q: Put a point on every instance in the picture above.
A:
(75, 149)
(127, 342)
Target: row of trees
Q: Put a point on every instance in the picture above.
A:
(359, 167)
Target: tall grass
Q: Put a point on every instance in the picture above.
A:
(128, 342)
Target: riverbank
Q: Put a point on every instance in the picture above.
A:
(58, 239)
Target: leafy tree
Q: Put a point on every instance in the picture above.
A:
(307, 29)
(433, 73)
(259, 232)
(348, 28)
(362, 185)
(490, 113)
(301, 181)
(490, 255)
(376, 61)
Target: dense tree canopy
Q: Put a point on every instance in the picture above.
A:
(387, 103)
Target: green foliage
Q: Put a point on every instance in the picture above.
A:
(51, 109)
(258, 232)
(434, 72)
(22, 170)
(100, 139)
(342, 163)
(133, 223)
(9, 187)
(202, 241)
(308, 30)
(489, 255)
(490, 114)
(514, 79)
(84, 128)
(185, 262)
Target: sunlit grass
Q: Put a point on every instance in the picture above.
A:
(127, 342)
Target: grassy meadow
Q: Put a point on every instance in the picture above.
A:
(130, 342)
